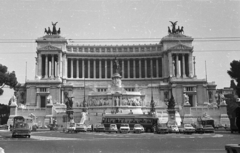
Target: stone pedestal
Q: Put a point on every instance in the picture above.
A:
(223, 109)
(186, 109)
(49, 109)
(171, 116)
(13, 110)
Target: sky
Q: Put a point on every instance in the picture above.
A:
(214, 25)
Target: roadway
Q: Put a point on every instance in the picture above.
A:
(93, 142)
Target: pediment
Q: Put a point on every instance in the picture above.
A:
(180, 47)
(49, 47)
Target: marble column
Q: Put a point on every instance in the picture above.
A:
(94, 68)
(111, 67)
(190, 65)
(106, 68)
(151, 62)
(170, 62)
(100, 68)
(140, 68)
(77, 66)
(40, 65)
(177, 66)
(128, 68)
(60, 65)
(46, 66)
(122, 68)
(83, 68)
(89, 68)
(145, 65)
(134, 68)
(52, 64)
(157, 67)
(183, 65)
(71, 68)
(65, 65)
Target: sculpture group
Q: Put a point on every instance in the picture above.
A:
(54, 30)
(175, 30)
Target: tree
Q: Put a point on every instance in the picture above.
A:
(7, 78)
(234, 73)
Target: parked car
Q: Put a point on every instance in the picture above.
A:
(81, 127)
(113, 128)
(208, 129)
(173, 129)
(71, 128)
(199, 129)
(90, 128)
(188, 128)
(99, 128)
(138, 128)
(21, 129)
(124, 128)
(162, 128)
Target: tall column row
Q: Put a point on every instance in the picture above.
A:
(180, 65)
(49, 66)
(103, 68)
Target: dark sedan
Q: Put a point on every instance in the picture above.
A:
(208, 129)
(99, 128)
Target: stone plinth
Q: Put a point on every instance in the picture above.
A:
(49, 109)
(13, 110)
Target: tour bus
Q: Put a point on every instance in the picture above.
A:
(147, 121)
(21, 127)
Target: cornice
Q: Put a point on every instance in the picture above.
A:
(114, 54)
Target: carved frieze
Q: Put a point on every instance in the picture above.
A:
(49, 47)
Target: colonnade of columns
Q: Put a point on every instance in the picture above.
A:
(181, 65)
(48, 66)
(103, 68)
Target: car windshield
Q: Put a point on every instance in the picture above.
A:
(113, 125)
(137, 125)
(22, 125)
(72, 124)
(124, 125)
(187, 125)
(162, 125)
(208, 125)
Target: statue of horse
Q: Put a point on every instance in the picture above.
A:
(49, 31)
(181, 30)
(169, 30)
(46, 31)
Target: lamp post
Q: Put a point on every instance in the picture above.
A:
(152, 101)
(84, 100)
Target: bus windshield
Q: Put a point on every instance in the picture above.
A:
(21, 125)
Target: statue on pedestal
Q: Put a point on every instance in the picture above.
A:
(49, 99)
(186, 100)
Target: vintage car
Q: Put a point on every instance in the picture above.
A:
(138, 128)
(162, 128)
(199, 129)
(188, 128)
(71, 128)
(113, 128)
(21, 129)
(81, 127)
(208, 129)
(90, 128)
(173, 129)
(99, 128)
(124, 128)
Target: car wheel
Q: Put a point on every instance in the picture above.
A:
(13, 136)
(29, 136)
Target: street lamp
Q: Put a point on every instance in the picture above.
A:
(152, 101)
(84, 100)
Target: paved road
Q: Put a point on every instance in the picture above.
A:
(91, 142)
